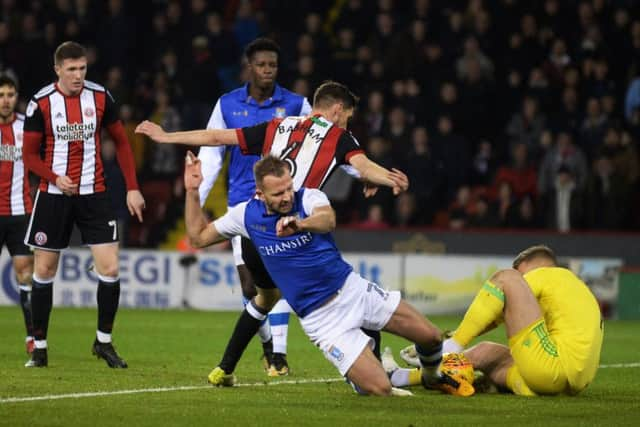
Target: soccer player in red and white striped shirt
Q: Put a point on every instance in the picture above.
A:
(15, 199)
(64, 121)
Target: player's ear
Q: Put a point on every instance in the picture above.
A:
(260, 194)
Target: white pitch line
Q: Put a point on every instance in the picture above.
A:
(159, 390)
(622, 365)
(199, 387)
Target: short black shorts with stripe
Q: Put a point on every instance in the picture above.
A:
(255, 265)
(54, 215)
(12, 229)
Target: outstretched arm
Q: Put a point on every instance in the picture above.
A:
(200, 232)
(372, 173)
(191, 137)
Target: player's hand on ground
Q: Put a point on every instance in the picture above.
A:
(401, 181)
(192, 172)
(369, 189)
(135, 203)
(152, 130)
(287, 225)
(67, 186)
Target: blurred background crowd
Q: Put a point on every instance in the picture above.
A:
(504, 113)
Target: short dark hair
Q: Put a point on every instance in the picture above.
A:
(537, 251)
(269, 165)
(261, 44)
(69, 50)
(6, 80)
(330, 92)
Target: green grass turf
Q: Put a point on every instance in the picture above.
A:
(179, 348)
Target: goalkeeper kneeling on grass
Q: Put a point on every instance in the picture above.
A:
(553, 325)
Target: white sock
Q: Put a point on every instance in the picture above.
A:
(400, 377)
(103, 337)
(451, 346)
(279, 319)
(41, 343)
(265, 331)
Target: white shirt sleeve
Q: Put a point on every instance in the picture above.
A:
(305, 110)
(211, 157)
(313, 198)
(351, 171)
(232, 223)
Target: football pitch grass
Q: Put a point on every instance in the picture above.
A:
(170, 354)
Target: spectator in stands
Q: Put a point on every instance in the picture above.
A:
(398, 133)
(527, 125)
(374, 116)
(471, 54)
(593, 128)
(459, 210)
(164, 162)
(562, 207)
(483, 164)
(504, 208)
(620, 147)
(375, 219)
(608, 193)
(564, 153)
(482, 216)
(520, 174)
(200, 84)
(424, 170)
(405, 213)
(456, 156)
(525, 215)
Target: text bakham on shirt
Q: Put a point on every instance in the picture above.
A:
(313, 146)
(71, 125)
(14, 182)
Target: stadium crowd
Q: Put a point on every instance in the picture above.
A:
(504, 114)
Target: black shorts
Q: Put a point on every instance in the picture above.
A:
(12, 229)
(255, 265)
(54, 215)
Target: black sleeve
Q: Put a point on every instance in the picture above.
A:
(111, 113)
(347, 146)
(34, 121)
(252, 138)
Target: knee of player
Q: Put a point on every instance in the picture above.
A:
(24, 276)
(266, 299)
(502, 278)
(110, 271)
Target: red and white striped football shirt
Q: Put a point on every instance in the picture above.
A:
(313, 146)
(14, 182)
(71, 126)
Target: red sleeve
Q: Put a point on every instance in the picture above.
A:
(252, 139)
(124, 154)
(31, 156)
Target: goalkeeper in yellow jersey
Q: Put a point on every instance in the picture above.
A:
(553, 324)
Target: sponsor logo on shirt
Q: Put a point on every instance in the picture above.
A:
(286, 245)
(10, 153)
(240, 113)
(75, 131)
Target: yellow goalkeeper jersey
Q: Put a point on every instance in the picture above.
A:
(573, 319)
